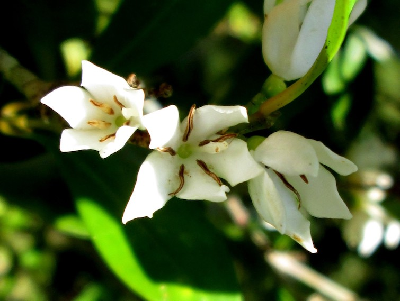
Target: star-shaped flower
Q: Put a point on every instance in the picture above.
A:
(103, 114)
(294, 181)
(294, 33)
(190, 158)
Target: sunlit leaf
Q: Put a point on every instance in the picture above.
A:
(176, 255)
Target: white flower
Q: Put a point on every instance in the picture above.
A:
(294, 33)
(190, 158)
(295, 180)
(103, 114)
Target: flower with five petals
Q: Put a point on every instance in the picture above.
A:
(190, 158)
(103, 114)
(295, 180)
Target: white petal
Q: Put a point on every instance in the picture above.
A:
(163, 127)
(320, 196)
(358, 9)
(200, 186)
(235, 164)
(102, 84)
(73, 140)
(327, 157)
(156, 179)
(268, 6)
(311, 38)
(267, 201)
(279, 36)
(277, 205)
(121, 137)
(208, 120)
(288, 153)
(134, 100)
(73, 104)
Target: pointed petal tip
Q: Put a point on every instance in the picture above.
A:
(313, 250)
(129, 217)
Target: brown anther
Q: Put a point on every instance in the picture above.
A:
(102, 125)
(287, 184)
(126, 122)
(102, 106)
(189, 126)
(219, 139)
(117, 102)
(209, 173)
(167, 150)
(133, 81)
(304, 178)
(106, 137)
(182, 180)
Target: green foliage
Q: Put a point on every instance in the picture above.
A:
(61, 234)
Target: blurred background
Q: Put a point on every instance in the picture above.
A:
(60, 231)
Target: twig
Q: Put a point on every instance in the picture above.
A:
(25, 81)
(284, 262)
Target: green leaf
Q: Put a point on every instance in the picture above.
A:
(145, 35)
(176, 255)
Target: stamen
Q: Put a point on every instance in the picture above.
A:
(287, 184)
(106, 137)
(209, 173)
(102, 106)
(304, 178)
(181, 178)
(102, 125)
(219, 139)
(189, 126)
(167, 150)
(117, 102)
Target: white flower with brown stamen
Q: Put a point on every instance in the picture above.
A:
(190, 158)
(295, 181)
(103, 114)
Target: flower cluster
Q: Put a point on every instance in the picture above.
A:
(198, 157)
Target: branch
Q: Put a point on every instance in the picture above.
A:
(25, 81)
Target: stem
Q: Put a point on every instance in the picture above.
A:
(25, 81)
(295, 90)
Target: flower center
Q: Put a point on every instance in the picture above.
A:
(185, 150)
(120, 120)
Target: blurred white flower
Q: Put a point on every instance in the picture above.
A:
(294, 181)
(371, 226)
(294, 33)
(190, 158)
(103, 114)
